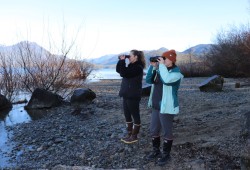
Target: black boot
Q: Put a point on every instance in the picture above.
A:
(156, 142)
(133, 138)
(165, 153)
(129, 131)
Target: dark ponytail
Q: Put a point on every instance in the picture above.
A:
(141, 57)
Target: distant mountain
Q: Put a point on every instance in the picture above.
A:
(103, 59)
(23, 48)
(21, 45)
(26, 48)
(198, 49)
(111, 59)
(107, 60)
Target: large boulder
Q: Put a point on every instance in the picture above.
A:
(4, 103)
(4, 113)
(212, 84)
(41, 99)
(36, 114)
(146, 89)
(82, 95)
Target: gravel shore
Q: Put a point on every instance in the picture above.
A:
(208, 132)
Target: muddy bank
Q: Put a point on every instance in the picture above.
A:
(208, 132)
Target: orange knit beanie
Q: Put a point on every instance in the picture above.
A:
(171, 55)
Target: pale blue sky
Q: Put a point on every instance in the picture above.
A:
(114, 26)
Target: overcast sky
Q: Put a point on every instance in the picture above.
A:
(114, 26)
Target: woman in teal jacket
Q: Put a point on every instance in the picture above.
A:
(165, 78)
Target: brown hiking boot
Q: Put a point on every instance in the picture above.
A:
(129, 131)
(133, 138)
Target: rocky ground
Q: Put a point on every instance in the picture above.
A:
(208, 132)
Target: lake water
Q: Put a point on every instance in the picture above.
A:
(100, 74)
(14, 116)
(104, 74)
(9, 118)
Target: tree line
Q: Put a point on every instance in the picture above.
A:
(228, 57)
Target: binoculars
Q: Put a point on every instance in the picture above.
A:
(126, 56)
(154, 59)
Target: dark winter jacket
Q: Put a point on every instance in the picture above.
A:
(131, 86)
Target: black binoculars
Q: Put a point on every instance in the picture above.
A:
(126, 56)
(154, 59)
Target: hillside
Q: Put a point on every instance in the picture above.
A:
(22, 46)
(111, 59)
(28, 49)
(198, 49)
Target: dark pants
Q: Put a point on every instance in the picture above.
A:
(131, 110)
(162, 122)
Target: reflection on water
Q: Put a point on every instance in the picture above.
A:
(17, 115)
(4, 113)
(10, 117)
(5, 146)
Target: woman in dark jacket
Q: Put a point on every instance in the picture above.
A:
(131, 89)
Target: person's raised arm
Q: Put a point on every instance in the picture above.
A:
(129, 72)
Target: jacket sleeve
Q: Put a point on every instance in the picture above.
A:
(168, 77)
(129, 72)
(118, 65)
(150, 75)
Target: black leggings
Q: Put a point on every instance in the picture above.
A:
(131, 109)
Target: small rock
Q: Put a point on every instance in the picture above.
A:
(113, 135)
(59, 140)
(39, 149)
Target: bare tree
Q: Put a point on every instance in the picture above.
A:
(56, 73)
(230, 56)
(193, 65)
(191, 55)
(9, 81)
